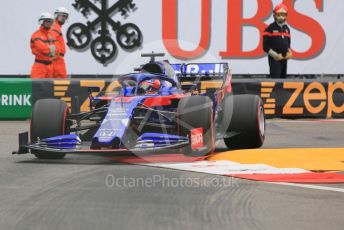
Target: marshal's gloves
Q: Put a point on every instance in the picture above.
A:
(275, 56)
(289, 54)
(52, 51)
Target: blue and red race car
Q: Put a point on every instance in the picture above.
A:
(162, 107)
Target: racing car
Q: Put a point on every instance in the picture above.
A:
(161, 107)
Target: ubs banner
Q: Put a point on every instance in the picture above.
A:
(108, 36)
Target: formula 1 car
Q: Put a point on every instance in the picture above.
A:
(161, 107)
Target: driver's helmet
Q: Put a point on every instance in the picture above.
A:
(150, 86)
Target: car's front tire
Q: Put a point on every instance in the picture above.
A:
(48, 120)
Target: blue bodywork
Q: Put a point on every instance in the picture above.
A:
(69, 141)
(115, 123)
(113, 129)
(151, 140)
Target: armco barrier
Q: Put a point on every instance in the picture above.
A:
(15, 98)
(282, 98)
(297, 99)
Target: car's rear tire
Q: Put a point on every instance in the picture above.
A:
(247, 122)
(196, 112)
(48, 120)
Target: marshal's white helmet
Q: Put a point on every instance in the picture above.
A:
(45, 17)
(61, 11)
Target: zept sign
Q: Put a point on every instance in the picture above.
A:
(316, 97)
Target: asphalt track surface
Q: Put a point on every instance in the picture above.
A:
(79, 192)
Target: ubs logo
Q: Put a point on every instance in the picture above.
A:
(103, 47)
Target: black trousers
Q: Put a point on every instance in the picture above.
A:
(278, 69)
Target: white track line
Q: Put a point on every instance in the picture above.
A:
(317, 187)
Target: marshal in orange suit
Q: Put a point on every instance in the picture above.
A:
(43, 46)
(59, 65)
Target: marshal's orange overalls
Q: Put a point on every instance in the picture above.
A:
(59, 65)
(40, 41)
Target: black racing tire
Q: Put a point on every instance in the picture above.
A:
(48, 120)
(247, 122)
(196, 112)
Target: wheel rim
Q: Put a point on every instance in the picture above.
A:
(261, 122)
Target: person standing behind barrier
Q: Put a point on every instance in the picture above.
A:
(43, 47)
(59, 66)
(276, 43)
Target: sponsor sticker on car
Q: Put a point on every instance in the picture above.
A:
(196, 138)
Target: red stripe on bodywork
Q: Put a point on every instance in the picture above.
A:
(161, 101)
(103, 150)
(104, 98)
(124, 99)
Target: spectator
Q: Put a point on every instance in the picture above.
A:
(43, 47)
(276, 43)
(59, 65)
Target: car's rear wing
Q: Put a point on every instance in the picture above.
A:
(202, 70)
(202, 75)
